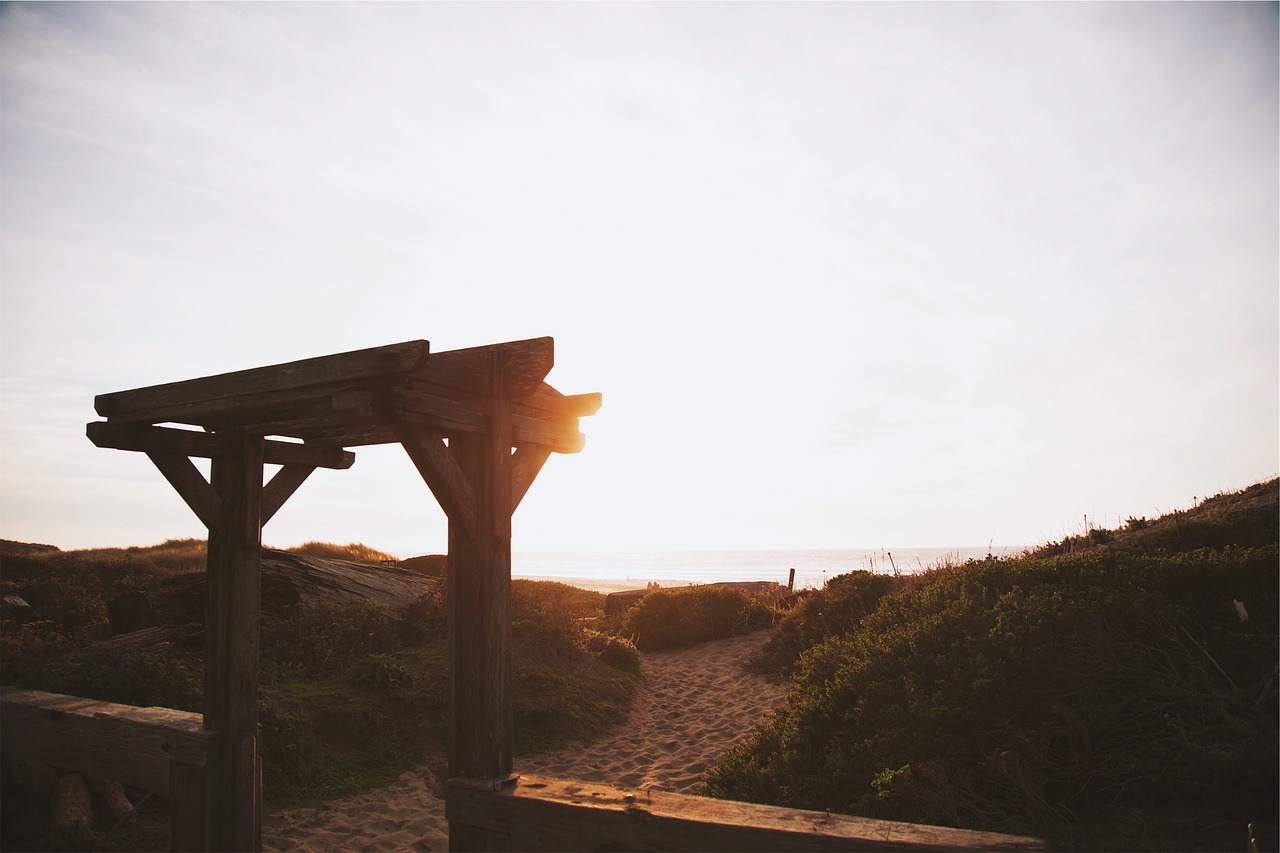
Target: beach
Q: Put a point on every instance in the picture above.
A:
(694, 704)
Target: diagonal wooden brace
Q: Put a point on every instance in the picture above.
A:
(526, 462)
(441, 472)
(281, 487)
(191, 485)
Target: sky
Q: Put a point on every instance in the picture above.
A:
(846, 274)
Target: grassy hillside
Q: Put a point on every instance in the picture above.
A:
(1105, 692)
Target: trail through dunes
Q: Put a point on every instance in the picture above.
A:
(695, 703)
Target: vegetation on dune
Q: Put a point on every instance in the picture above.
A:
(1105, 694)
(1115, 690)
(674, 618)
(351, 696)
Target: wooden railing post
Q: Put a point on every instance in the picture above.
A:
(233, 788)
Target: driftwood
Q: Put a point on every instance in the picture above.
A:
(113, 795)
(32, 777)
(289, 581)
(69, 803)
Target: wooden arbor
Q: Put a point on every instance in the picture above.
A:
(477, 423)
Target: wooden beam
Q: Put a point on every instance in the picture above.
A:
(543, 401)
(480, 710)
(561, 436)
(440, 470)
(329, 369)
(141, 437)
(526, 462)
(281, 487)
(547, 399)
(233, 797)
(241, 408)
(193, 488)
(131, 745)
(542, 813)
(526, 363)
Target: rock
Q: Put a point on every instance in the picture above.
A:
(69, 804)
(15, 607)
(32, 777)
(114, 796)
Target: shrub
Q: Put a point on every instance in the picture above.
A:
(425, 618)
(163, 677)
(328, 639)
(1038, 696)
(355, 552)
(620, 653)
(836, 609)
(673, 618)
(381, 670)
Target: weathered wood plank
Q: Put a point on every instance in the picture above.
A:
(543, 401)
(131, 745)
(547, 399)
(556, 814)
(526, 462)
(480, 709)
(441, 472)
(560, 436)
(187, 792)
(342, 367)
(281, 487)
(348, 436)
(245, 407)
(526, 364)
(233, 804)
(140, 437)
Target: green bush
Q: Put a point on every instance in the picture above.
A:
(425, 618)
(674, 618)
(621, 654)
(381, 671)
(1039, 696)
(324, 640)
(836, 609)
(162, 677)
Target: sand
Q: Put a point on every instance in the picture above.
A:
(694, 704)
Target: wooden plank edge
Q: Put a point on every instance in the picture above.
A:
(154, 439)
(547, 813)
(341, 367)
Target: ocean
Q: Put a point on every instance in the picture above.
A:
(613, 571)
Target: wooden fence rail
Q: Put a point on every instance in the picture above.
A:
(156, 749)
(539, 813)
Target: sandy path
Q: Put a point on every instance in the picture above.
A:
(695, 703)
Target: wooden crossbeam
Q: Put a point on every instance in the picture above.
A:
(150, 439)
(245, 408)
(329, 369)
(561, 435)
(526, 364)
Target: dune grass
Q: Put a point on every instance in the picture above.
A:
(1103, 693)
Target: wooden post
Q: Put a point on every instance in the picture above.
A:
(233, 793)
(480, 621)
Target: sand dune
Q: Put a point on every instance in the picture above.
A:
(694, 705)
